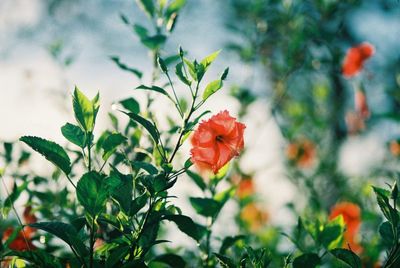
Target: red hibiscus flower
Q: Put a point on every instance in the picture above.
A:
(352, 217)
(355, 58)
(216, 141)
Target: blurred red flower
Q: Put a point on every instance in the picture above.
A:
(216, 141)
(355, 58)
(352, 217)
(19, 243)
(23, 239)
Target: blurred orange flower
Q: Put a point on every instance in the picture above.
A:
(253, 216)
(394, 147)
(302, 153)
(360, 104)
(245, 188)
(354, 122)
(216, 141)
(352, 217)
(355, 58)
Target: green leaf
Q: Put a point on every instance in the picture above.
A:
(172, 260)
(116, 255)
(191, 68)
(162, 65)
(197, 179)
(125, 67)
(388, 211)
(225, 261)
(92, 192)
(141, 31)
(65, 232)
(131, 105)
(205, 206)
(14, 195)
(206, 62)
(85, 110)
(386, 232)
(229, 241)
(50, 150)
(181, 75)
(152, 170)
(156, 89)
(111, 144)
(37, 257)
(309, 260)
(224, 196)
(187, 226)
(211, 88)
(347, 256)
(8, 148)
(147, 125)
(154, 42)
(138, 203)
(147, 6)
(332, 234)
(225, 74)
(74, 134)
(124, 192)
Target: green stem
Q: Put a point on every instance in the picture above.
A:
(92, 241)
(185, 122)
(208, 241)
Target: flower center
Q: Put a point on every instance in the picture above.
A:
(219, 138)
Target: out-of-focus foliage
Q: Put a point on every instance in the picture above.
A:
(106, 202)
(301, 46)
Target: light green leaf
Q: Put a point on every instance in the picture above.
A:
(206, 62)
(147, 6)
(174, 7)
(211, 88)
(50, 150)
(85, 110)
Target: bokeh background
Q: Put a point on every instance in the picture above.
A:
(48, 46)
